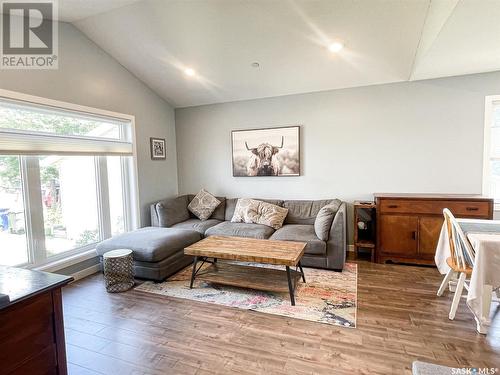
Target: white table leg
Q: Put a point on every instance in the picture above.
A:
(483, 322)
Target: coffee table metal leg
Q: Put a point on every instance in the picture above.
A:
(302, 272)
(193, 273)
(290, 286)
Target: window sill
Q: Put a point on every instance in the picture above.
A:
(67, 261)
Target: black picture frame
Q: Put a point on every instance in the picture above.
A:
(158, 148)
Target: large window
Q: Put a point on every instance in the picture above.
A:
(491, 170)
(66, 179)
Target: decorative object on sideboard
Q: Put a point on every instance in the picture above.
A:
(266, 152)
(364, 228)
(158, 149)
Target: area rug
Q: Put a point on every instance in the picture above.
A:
(327, 297)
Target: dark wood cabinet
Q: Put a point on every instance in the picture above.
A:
(408, 225)
(31, 323)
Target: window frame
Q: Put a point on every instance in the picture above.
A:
(30, 177)
(490, 102)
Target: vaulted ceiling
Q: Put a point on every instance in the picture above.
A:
(384, 41)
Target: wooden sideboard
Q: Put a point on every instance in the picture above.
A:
(408, 225)
(31, 322)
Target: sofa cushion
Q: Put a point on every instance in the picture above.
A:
(259, 212)
(227, 228)
(301, 233)
(231, 205)
(196, 224)
(304, 212)
(172, 211)
(151, 244)
(324, 220)
(203, 205)
(218, 214)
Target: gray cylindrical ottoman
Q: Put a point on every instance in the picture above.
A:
(118, 270)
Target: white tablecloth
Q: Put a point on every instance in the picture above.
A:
(485, 274)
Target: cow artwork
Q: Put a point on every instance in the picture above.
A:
(266, 152)
(264, 162)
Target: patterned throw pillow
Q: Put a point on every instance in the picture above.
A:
(203, 205)
(258, 212)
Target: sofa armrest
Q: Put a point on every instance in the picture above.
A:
(336, 246)
(169, 211)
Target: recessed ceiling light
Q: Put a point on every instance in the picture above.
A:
(255, 64)
(189, 72)
(335, 47)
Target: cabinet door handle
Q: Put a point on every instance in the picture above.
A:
(392, 206)
(414, 235)
(472, 208)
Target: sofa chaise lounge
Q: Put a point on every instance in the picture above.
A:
(158, 250)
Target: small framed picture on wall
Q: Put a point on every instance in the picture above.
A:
(158, 149)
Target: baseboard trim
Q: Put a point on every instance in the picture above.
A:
(96, 268)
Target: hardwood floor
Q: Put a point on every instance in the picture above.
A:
(400, 319)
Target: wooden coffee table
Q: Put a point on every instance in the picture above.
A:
(283, 253)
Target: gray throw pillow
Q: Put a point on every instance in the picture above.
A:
(203, 205)
(172, 211)
(324, 220)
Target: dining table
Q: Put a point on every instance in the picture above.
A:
(484, 237)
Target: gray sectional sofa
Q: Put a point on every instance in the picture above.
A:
(158, 250)
(298, 226)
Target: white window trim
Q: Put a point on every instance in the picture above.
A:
(132, 218)
(67, 261)
(488, 118)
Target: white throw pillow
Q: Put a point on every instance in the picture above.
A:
(203, 205)
(253, 211)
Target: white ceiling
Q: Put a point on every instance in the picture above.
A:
(74, 10)
(385, 41)
(468, 42)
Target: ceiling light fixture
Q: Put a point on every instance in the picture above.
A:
(335, 47)
(189, 72)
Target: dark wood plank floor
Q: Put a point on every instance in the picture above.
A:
(400, 319)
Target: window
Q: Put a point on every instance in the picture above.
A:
(69, 201)
(491, 169)
(13, 248)
(66, 179)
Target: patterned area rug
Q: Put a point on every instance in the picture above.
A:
(327, 296)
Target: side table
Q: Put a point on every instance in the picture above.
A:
(118, 270)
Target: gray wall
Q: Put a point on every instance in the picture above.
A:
(89, 76)
(424, 136)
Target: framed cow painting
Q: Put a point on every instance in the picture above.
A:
(266, 152)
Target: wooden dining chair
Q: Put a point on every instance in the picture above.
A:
(460, 262)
